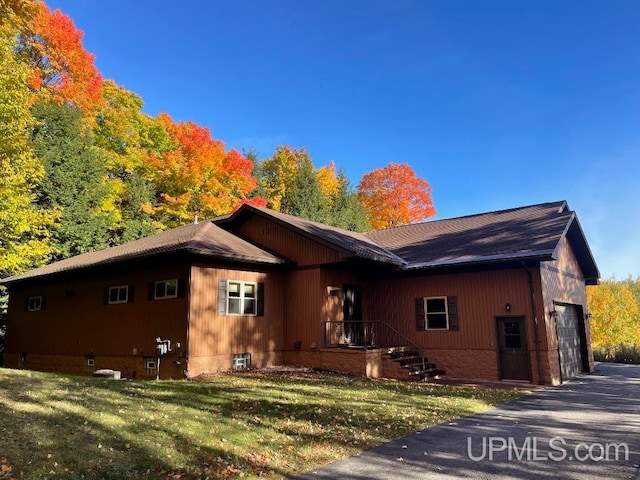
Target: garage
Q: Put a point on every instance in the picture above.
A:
(569, 329)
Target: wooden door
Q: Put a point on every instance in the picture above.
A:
(512, 347)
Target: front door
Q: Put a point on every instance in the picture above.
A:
(512, 346)
(352, 310)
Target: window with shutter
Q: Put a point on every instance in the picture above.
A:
(240, 298)
(437, 313)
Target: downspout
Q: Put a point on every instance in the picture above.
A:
(536, 333)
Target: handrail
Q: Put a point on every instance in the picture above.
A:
(362, 333)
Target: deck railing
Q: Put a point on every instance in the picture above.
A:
(367, 334)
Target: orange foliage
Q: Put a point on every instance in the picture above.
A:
(198, 177)
(393, 195)
(61, 65)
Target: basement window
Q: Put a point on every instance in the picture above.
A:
(119, 294)
(90, 362)
(166, 289)
(34, 304)
(241, 361)
(151, 366)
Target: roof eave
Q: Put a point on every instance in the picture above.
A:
(538, 255)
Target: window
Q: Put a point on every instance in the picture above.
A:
(240, 298)
(119, 294)
(34, 304)
(150, 365)
(241, 361)
(166, 289)
(437, 313)
(90, 363)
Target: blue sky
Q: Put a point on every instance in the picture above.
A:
(497, 104)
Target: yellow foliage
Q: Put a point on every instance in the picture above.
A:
(328, 180)
(615, 314)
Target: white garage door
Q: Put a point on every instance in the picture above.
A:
(569, 343)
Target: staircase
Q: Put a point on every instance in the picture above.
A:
(407, 363)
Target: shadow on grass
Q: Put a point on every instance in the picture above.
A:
(62, 426)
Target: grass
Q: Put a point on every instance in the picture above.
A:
(246, 425)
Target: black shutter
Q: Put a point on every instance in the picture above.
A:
(222, 297)
(420, 320)
(26, 304)
(182, 287)
(42, 302)
(151, 293)
(260, 304)
(105, 296)
(452, 308)
(130, 294)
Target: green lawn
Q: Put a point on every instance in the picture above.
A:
(245, 425)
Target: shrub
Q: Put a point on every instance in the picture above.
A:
(620, 353)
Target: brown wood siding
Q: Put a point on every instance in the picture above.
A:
(75, 320)
(286, 243)
(308, 304)
(481, 298)
(302, 307)
(211, 334)
(563, 282)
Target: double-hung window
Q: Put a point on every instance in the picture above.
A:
(119, 294)
(437, 313)
(166, 289)
(236, 297)
(241, 298)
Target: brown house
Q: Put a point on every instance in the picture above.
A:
(499, 295)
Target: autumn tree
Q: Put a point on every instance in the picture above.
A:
(615, 309)
(328, 180)
(394, 195)
(75, 181)
(197, 176)
(62, 69)
(126, 137)
(24, 226)
(277, 175)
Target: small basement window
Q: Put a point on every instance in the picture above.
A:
(151, 366)
(90, 362)
(241, 361)
(34, 304)
(166, 289)
(119, 294)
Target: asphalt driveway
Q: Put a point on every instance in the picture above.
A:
(588, 428)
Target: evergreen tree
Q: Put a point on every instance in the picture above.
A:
(75, 179)
(136, 210)
(307, 200)
(347, 210)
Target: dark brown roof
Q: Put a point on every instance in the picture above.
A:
(359, 244)
(204, 238)
(531, 232)
(528, 233)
